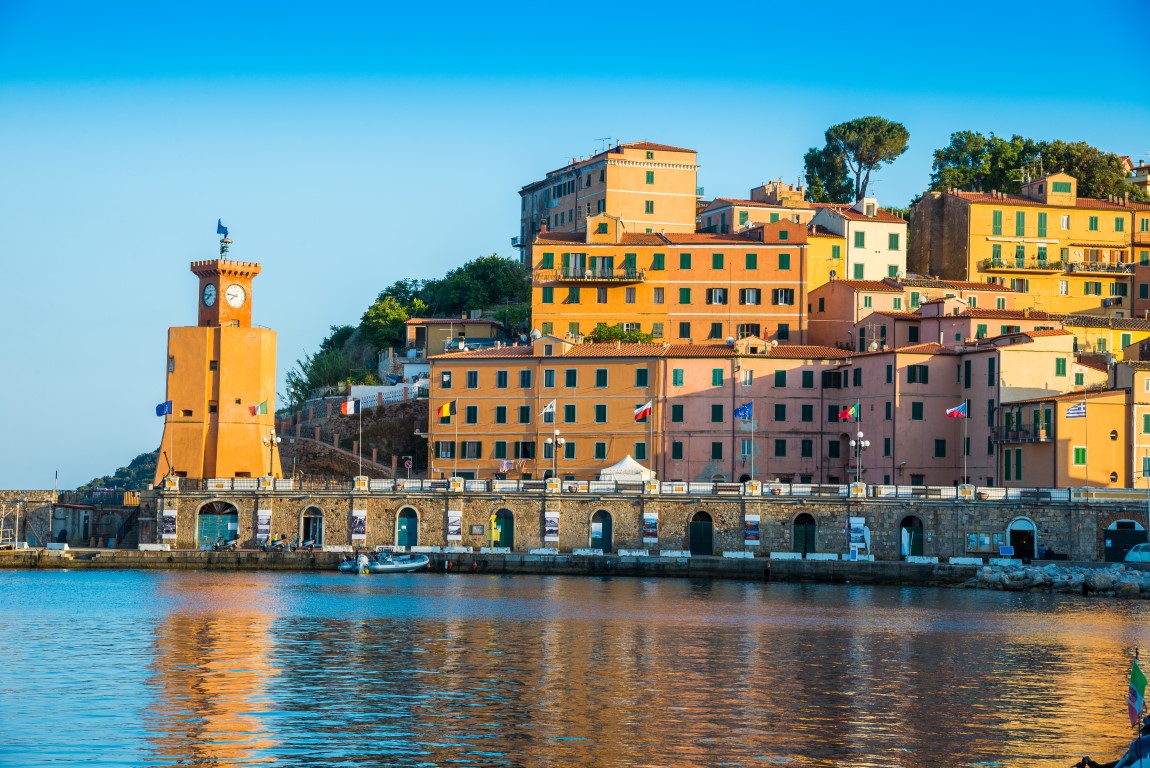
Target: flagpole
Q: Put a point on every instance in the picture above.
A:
(965, 419)
(752, 440)
(359, 410)
(1086, 423)
(455, 472)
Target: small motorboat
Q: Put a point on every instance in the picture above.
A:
(384, 561)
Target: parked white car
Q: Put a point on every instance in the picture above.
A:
(1139, 553)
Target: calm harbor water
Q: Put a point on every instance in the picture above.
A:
(126, 668)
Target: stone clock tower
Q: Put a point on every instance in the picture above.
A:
(221, 377)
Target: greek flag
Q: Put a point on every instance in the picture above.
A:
(745, 411)
(1076, 411)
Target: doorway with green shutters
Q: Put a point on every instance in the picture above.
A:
(910, 535)
(217, 520)
(601, 531)
(503, 529)
(804, 534)
(701, 534)
(407, 528)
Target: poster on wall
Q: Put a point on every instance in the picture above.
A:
(596, 529)
(169, 520)
(358, 524)
(263, 524)
(650, 527)
(858, 533)
(455, 525)
(550, 527)
(751, 535)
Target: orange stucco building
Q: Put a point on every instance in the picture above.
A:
(221, 383)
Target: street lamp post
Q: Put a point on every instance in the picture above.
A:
(554, 445)
(271, 441)
(858, 445)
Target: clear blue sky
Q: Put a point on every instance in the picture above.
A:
(348, 145)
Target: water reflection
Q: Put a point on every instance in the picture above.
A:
(435, 670)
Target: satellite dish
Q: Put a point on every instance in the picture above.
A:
(535, 334)
(730, 341)
(873, 346)
(774, 342)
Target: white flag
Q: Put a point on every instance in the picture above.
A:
(549, 408)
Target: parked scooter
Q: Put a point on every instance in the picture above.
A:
(224, 545)
(309, 545)
(278, 545)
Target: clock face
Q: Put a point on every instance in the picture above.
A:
(235, 295)
(209, 295)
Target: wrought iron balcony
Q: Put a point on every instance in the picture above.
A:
(1022, 433)
(1014, 265)
(1099, 267)
(571, 274)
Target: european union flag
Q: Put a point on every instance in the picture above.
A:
(164, 408)
(220, 228)
(745, 411)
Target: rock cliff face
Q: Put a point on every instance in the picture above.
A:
(325, 440)
(1116, 581)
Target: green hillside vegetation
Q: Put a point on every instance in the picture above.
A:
(134, 477)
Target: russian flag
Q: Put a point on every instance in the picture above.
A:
(643, 411)
(957, 412)
(349, 407)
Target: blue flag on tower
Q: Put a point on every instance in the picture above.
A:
(220, 228)
(745, 411)
(164, 408)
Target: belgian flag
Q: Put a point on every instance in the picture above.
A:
(447, 409)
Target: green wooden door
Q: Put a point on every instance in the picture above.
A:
(407, 528)
(503, 530)
(804, 538)
(214, 526)
(700, 535)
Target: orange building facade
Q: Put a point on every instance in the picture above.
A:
(221, 383)
(676, 286)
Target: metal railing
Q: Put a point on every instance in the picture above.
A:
(1028, 432)
(592, 275)
(1028, 264)
(1104, 267)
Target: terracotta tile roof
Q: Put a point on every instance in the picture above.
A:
(964, 285)
(447, 321)
(653, 145)
(1046, 332)
(522, 350)
(848, 212)
(746, 237)
(560, 238)
(723, 202)
(818, 230)
(1096, 363)
(1007, 314)
(929, 348)
(616, 350)
(1137, 365)
(870, 285)
(808, 352)
(896, 315)
(1096, 321)
(1081, 202)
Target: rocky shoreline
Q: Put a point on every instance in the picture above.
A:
(1114, 581)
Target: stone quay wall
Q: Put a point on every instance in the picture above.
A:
(1074, 530)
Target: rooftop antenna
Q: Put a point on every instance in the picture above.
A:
(224, 241)
(604, 143)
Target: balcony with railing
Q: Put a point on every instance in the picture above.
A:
(1099, 267)
(1020, 265)
(1027, 432)
(598, 275)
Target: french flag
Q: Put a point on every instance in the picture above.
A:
(957, 412)
(643, 411)
(349, 407)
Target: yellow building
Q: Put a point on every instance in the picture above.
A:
(770, 202)
(1068, 254)
(825, 261)
(221, 378)
(675, 286)
(649, 187)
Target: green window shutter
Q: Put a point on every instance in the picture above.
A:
(836, 252)
(780, 379)
(677, 377)
(808, 379)
(784, 261)
(1060, 366)
(684, 261)
(629, 262)
(569, 414)
(996, 223)
(1060, 186)
(548, 261)
(1017, 463)
(858, 272)
(807, 412)
(1019, 223)
(650, 177)
(752, 261)
(860, 239)
(717, 413)
(780, 411)
(716, 377)
(996, 252)
(916, 411)
(548, 296)
(1093, 223)
(657, 261)
(1125, 340)
(684, 295)
(774, 217)
(1146, 423)
(716, 261)
(867, 302)
(677, 413)
(1119, 224)
(892, 241)
(648, 206)
(676, 450)
(1042, 225)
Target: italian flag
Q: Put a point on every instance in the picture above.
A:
(258, 410)
(1135, 700)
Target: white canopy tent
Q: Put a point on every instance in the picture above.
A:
(627, 471)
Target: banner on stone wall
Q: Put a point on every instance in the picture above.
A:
(263, 524)
(751, 535)
(858, 533)
(358, 524)
(169, 523)
(455, 525)
(550, 527)
(650, 527)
